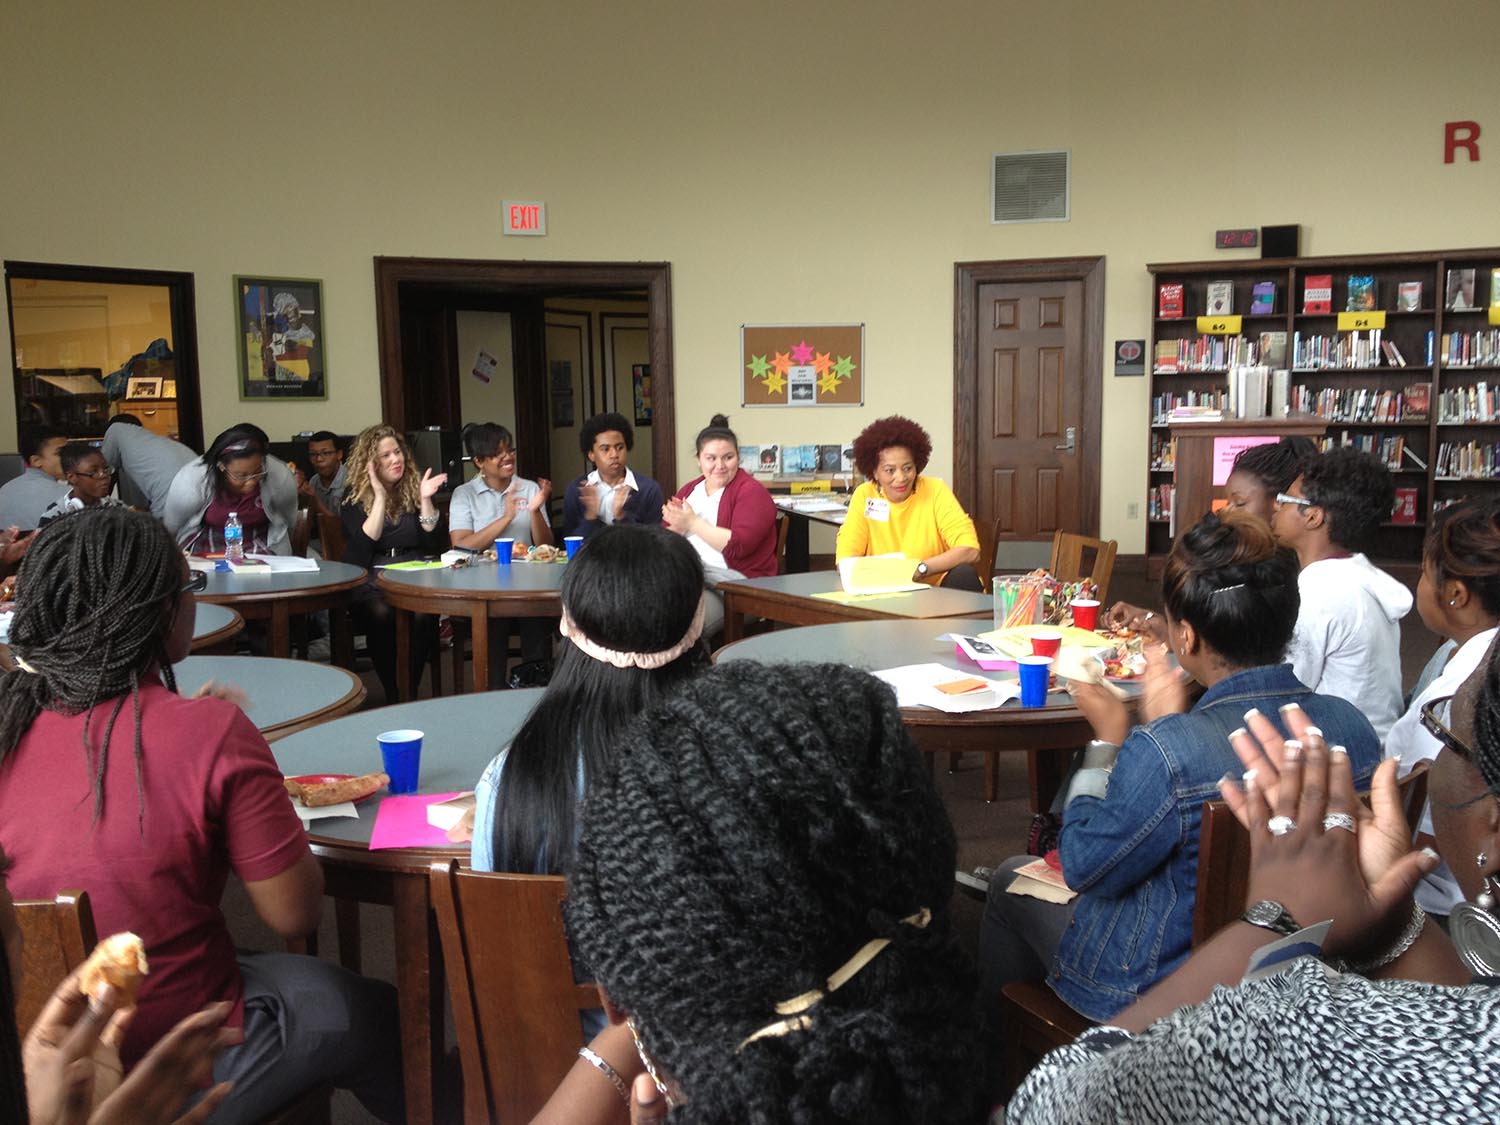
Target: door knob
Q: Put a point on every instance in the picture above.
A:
(1072, 442)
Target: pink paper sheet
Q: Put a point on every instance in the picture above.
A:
(987, 665)
(401, 822)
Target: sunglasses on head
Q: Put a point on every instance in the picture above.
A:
(196, 583)
(1434, 717)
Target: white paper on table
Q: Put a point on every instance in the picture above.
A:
(287, 564)
(914, 684)
(207, 566)
(343, 808)
(878, 574)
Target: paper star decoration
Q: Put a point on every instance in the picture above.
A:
(822, 362)
(829, 382)
(844, 367)
(802, 354)
(758, 366)
(781, 362)
(775, 383)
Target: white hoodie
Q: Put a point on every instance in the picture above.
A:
(1348, 637)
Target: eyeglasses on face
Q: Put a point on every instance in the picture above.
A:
(243, 478)
(1435, 714)
(197, 582)
(98, 474)
(503, 456)
(1300, 501)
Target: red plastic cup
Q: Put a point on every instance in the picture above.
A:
(1046, 643)
(1085, 614)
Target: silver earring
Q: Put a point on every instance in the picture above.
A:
(1476, 931)
(1480, 860)
(1454, 601)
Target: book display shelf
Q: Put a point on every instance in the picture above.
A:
(1398, 354)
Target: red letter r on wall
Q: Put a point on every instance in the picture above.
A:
(1461, 135)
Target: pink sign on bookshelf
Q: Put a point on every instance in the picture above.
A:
(1226, 449)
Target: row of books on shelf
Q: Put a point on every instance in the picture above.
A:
(1163, 454)
(1159, 501)
(1470, 349)
(1204, 353)
(1469, 459)
(1479, 403)
(794, 460)
(1185, 404)
(1346, 349)
(1361, 294)
(1362, 404)
(1390, 449)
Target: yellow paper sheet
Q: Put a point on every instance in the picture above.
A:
(844, 598)
(878, 574)
(1017, 641)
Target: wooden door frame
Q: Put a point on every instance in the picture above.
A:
(967, 278)
(184, 315)
(535, 279)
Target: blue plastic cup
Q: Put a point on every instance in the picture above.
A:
(401, 753)
(1035, 671)
(502, 551)
(572, 543)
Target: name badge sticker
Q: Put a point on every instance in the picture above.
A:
(878, 510)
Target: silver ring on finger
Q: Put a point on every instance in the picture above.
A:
(1281, 825)
(1339, 820)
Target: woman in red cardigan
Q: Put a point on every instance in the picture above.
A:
(727, 515)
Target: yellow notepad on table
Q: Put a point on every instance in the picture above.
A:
(878, 574)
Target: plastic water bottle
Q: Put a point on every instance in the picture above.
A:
(234, 539)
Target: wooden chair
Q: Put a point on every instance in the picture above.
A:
(510, 981)
(331, 535)
(59, 935)
(1075, 557)
(783, 525)
(301, 532)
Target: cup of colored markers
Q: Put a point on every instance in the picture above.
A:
(572, 543)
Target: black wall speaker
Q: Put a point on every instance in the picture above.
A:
(1280, 242)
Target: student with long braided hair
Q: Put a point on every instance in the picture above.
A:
(111, 782)
(763, 887)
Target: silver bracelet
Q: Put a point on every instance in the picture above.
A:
(428, 522)
(1407, 939)
(588, 1055)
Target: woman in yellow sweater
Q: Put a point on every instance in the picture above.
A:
(899, 511)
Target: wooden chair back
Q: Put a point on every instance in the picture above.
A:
(59, 935)
(331, 535)
(1075, 557)
(301, 532)
(510, 980)
(783, 525)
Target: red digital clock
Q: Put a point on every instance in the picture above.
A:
(1244, 239)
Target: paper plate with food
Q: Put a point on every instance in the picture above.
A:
(319, 790)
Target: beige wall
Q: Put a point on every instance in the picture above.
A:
(793, 161)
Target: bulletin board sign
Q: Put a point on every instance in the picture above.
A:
(1226, 449)
(803, 364)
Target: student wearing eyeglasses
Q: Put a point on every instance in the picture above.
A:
(235, 475)
(1348, 637)
(90, 479)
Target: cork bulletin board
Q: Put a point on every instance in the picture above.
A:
(803, 364)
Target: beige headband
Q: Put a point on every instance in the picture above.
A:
(647, 660)
(797, 1007)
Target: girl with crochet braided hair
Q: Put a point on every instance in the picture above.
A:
(111, 782)
(762, 887)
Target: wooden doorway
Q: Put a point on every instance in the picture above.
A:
(1027, 395)
(416, 299)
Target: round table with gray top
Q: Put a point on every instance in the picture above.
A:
(479, 591)
(283, 696)
(461, 734)
(214, 625)
(874, 646)
(275, 597)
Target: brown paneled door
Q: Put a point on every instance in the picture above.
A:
(1029, 417)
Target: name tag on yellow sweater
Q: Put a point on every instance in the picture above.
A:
(878, 510)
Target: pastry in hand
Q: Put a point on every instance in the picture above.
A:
(119, 961)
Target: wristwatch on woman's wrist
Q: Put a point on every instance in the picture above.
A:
(1269, 915)
(921, 570)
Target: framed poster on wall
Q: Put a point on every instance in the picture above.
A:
(282, 346)
(803, 365)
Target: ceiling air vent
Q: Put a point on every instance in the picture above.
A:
(1030, 187)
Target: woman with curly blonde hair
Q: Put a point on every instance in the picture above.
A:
(388, 517)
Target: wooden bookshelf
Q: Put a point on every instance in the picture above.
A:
(1348, 372)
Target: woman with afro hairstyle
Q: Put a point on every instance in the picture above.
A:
(1129, 843)
(899, 511)
(762, 890)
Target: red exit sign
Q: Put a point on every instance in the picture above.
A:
(524, 217)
